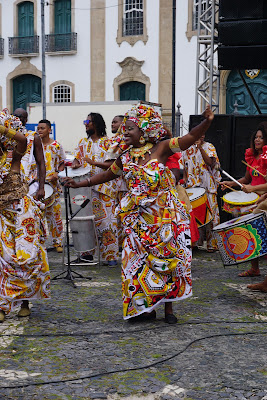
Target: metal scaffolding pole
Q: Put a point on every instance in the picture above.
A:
(43, 60)
(207, 74)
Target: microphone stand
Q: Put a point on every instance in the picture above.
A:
(69, 273)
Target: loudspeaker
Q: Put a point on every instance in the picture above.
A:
(242, 34)
(242, 9)
(242, 57)
(251, 32)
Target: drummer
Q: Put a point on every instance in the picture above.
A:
(256, 156)
(200, 163)
(173, 163)
(54, 163)
(93, 150)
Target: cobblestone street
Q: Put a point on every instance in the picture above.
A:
(77, 346)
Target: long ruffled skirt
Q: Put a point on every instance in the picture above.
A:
(156, 257)
(24, 270)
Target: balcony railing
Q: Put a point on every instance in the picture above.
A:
(23, 45)
(61, 42)
(1, 47)
(132, 26)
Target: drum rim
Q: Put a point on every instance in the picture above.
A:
(45, 184)
(246, 203)
(199, 196)
(253, 216)
(88, 170)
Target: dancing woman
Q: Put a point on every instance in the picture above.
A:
(156, 256)
(24, 271)
(256, 156)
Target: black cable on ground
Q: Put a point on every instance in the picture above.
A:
(98, 375)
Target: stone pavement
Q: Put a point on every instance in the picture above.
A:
(77, 346)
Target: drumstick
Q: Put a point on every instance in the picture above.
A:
(253, 168)
(228, 187)
(229, 176)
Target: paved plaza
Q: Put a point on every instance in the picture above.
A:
(77, 346)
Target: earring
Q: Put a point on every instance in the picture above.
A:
(142, 140)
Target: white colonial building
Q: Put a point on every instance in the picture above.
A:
(103, 55)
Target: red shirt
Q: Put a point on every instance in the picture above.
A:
(260, 164)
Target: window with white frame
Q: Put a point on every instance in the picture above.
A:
(196, 6)
(133, 18)
(62, 94)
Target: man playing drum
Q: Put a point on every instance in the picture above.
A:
(93, 151)
(201, 164)
(256, 157)
(54, 162)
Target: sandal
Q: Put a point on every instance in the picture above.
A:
(248, 273)
(170, 319)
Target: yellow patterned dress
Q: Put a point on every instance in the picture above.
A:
(156, 257)
(24, 270)
(103, 197)
(54, 157)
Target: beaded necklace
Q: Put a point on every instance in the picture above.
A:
(137, 152)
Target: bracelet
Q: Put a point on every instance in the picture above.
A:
(115, 169)
(174, 145)
(89, 182)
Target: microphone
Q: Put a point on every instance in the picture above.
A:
(84, 204)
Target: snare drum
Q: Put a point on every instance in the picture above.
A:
(49, 192)
(79, 195)
(200, 204)
(242, 239)
(239, 203)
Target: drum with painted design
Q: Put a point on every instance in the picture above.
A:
(200, 204)
(242, 239)
(239, 203)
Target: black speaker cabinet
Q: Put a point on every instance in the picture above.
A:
(243, 33)
(242, 9)
(242, 57)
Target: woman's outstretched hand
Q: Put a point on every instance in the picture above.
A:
(208, 113)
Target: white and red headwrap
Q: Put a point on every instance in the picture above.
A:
(148, 120)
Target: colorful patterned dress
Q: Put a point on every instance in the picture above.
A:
(103, 197)
(156, 256)
(199, 174)
(54, 156)
(24, 270)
